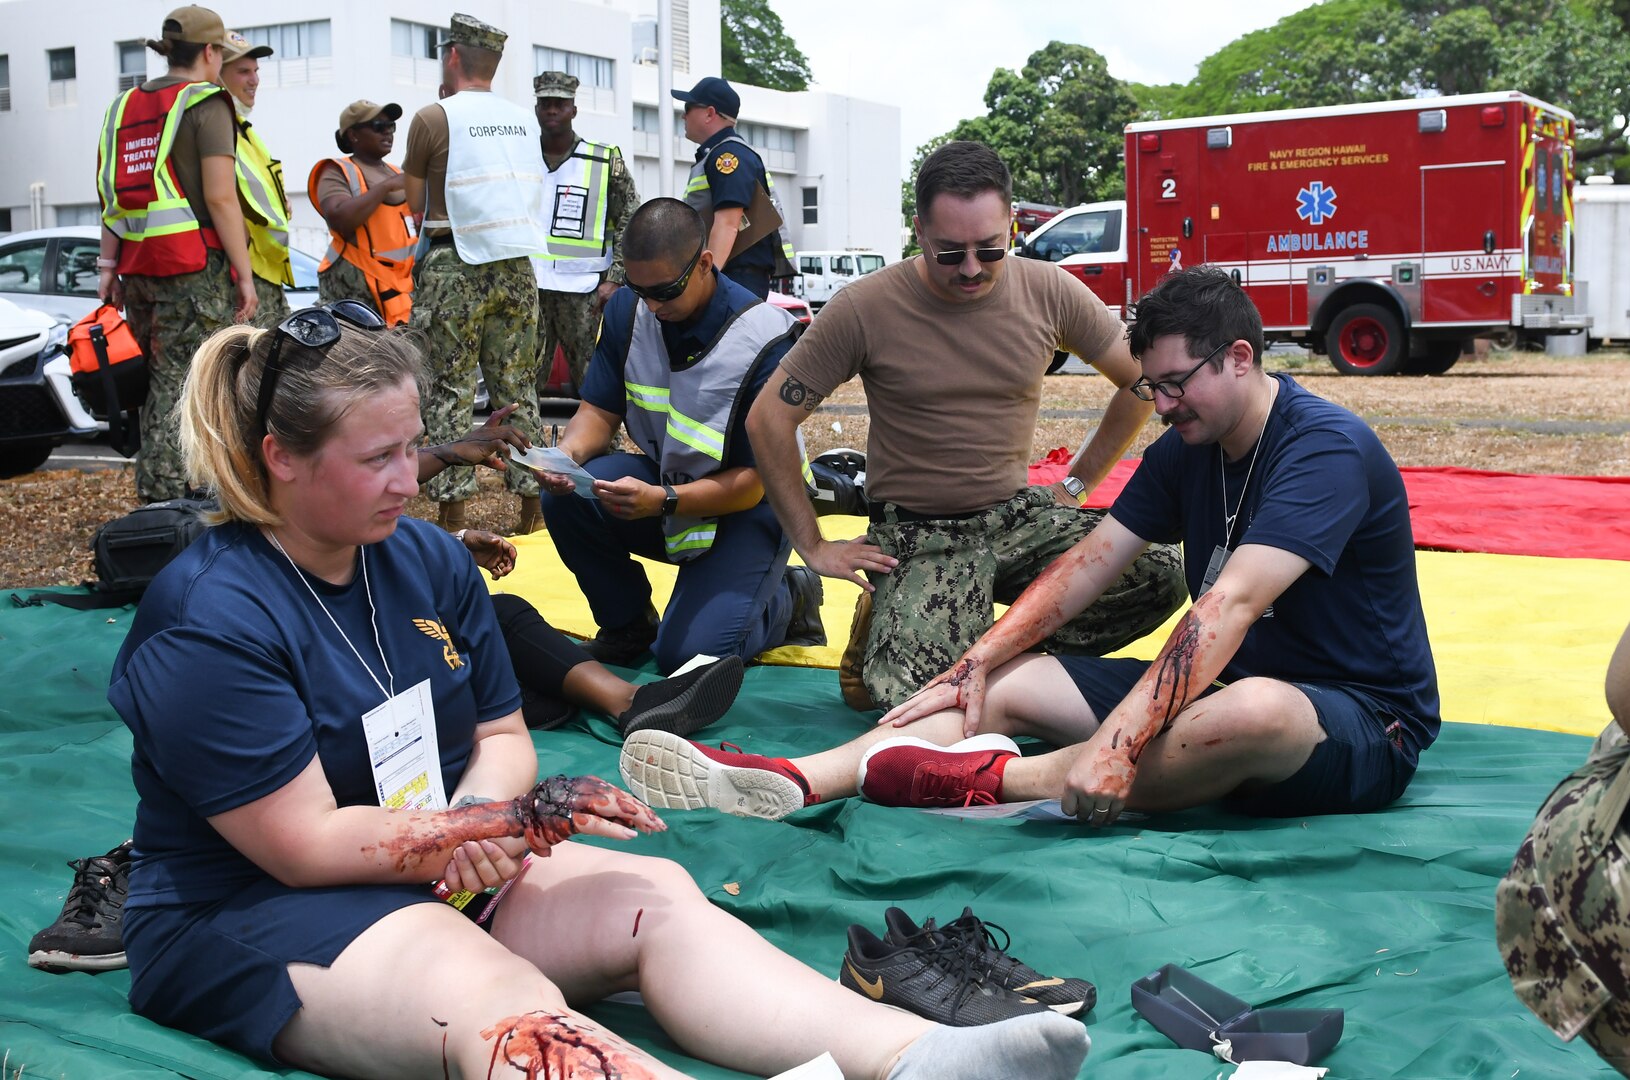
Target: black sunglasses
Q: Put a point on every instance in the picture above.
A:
(378, 126)
(663, 293)
(954, 256)
(1144, 390)
(317, 329)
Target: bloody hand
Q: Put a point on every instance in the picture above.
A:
(562, 806)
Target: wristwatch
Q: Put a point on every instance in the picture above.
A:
(670, 504)
(1076, 489)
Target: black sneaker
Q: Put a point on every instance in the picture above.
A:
(976, 938)
(87, 936)
(685, 703)
(932, 977)
(622, 645)
(542, 712)
(804, 628)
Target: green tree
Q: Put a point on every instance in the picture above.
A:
(757, 50)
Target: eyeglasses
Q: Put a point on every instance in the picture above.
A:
(378, 126)
(663, 293)
(954, 256)
(317, 329)
(1144, 390)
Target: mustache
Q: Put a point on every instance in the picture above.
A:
(978, 279)
(1177, 417)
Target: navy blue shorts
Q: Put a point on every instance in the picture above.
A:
(220, 970)
(1364, 763)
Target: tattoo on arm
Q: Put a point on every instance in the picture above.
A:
(798, 395)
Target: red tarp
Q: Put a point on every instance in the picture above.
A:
(1564, 517)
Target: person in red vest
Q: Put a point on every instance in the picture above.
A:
(174, 250)
(371, 229)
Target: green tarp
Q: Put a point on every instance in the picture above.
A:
(1388, 916)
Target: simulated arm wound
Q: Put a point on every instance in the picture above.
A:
(1171, 682)
(554, 810)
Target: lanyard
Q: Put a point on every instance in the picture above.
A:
(1222, 473)
(373, 618)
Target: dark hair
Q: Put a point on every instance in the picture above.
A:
(476, 62)
(663, 230)
(1202, 303)
(180, 54)
(961, 168)
(342, 139)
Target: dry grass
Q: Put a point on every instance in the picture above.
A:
(48, 518)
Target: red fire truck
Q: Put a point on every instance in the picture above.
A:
(1384, 235)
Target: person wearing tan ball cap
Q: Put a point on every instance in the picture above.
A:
(261, 194)
(371, 226)
(174, 252)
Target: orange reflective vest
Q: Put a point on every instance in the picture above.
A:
(142, 200)
(382, 247)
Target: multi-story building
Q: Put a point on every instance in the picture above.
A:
(835, 160)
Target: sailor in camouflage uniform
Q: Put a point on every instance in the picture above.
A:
(1562, 914)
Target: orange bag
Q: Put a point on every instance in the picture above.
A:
(109, 372)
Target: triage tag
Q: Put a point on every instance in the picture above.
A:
(403, 753)
(571, 207)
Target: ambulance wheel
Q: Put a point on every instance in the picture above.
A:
(1367, 339)
(22, 457)
(1439, 357)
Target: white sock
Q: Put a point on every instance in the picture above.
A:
(1041, 1046)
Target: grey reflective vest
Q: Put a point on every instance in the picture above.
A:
(700, 198)
(577, 197)
(683, 419)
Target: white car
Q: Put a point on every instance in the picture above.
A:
(38, 406)
(54, 271)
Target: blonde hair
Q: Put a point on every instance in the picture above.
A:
(220, 433)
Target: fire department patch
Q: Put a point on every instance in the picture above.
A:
(726, 163)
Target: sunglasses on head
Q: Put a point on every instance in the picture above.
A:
(317, 329)
(955, 256)
(663, 293)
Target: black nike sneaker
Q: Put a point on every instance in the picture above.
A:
(976, 939)
(933, 977)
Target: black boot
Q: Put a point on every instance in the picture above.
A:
(622, 645)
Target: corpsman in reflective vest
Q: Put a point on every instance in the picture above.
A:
(683, 352)
(590, 196)
(173, 247)
(371, 229)
(260, 183)
(475, 171)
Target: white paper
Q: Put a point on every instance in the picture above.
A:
(555, 460)
(822, 1068)
(699, 660)
(403, 752)
(1277, 1070)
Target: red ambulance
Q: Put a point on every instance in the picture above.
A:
(1384, 235)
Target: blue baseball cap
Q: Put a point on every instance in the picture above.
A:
(712, 91)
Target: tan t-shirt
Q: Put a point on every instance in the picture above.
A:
(331, 182)
(953, 389)
(426, 160)
(208, 129)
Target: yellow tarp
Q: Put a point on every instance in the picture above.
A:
(1520, 641)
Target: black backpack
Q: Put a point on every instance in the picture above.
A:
(129, 552)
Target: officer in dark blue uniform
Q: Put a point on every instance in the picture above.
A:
(724, 184)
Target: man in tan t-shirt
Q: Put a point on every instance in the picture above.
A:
(952, 346)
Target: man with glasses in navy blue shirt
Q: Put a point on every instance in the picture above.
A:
(682, 353)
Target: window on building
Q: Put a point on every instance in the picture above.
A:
(414, 56)
(778, 146)
(5, 83)
(79, 214)
(132, 64)
(63, 88)
(596, 75)
(645, 42)
(5, 219)
(302, 53)
(812, 206)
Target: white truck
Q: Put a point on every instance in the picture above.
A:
(1601, 259)
(823, 273)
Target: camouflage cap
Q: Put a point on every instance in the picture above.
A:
(554, 84)
(468, 30)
